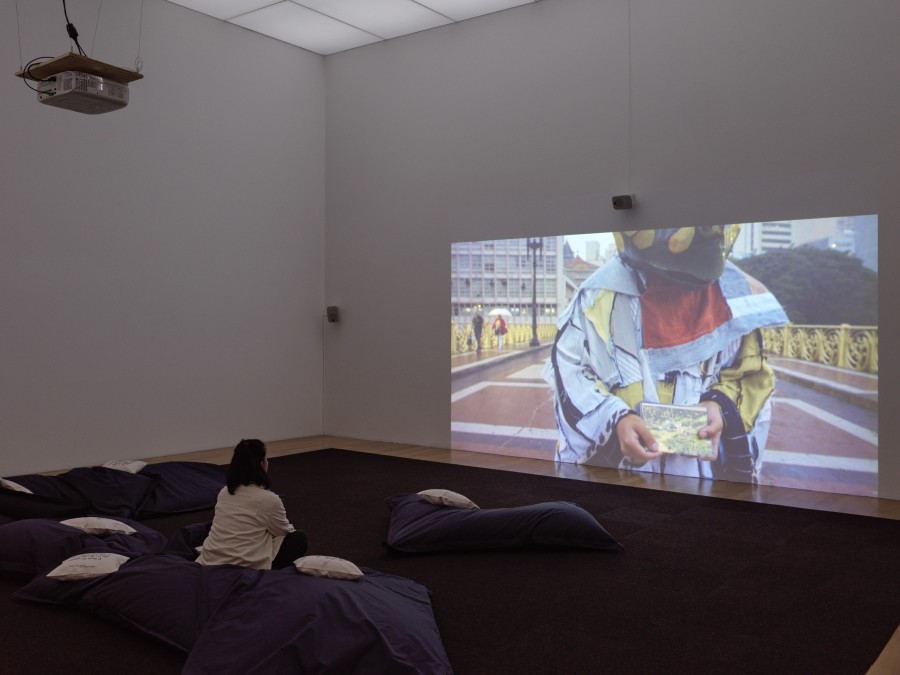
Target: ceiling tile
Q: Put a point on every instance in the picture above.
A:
(330, 26)
(385, 18)
(305, 28)
(223, 9)
(459, 10)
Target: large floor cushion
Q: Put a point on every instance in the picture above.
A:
(418, 526)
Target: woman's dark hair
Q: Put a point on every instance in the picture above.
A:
(246, 466)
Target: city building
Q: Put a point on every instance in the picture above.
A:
(853, 235)
(507, 274)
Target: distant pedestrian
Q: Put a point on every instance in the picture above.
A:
(499, 327)
(478, 329)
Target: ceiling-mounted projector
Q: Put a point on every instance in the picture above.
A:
(80, 83)
(82, 92)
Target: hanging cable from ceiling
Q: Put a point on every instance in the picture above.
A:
(26, 68)
(139, 62)
(70, 29)
(96, 27)
(629, 98)
(19, 33)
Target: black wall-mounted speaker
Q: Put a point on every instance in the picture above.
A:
(620, 202)
(332, 313)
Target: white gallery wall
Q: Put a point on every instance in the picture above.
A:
(518, 124)
(164, 268)
(161, 266)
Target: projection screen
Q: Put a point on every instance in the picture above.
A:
(744, 352)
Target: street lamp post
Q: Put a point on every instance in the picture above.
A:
(535, 247)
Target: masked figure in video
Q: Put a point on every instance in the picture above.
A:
(669, 320)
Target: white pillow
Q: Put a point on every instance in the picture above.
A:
(10, 485)
(448, 498)
(327, 566)
(129, 465)
(87, 566)
(95, 525)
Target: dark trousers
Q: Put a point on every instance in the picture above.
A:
(292, 547)
(184, 542)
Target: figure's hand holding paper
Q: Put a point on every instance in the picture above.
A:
(675, 428)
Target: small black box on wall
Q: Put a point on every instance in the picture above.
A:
(621, 202)
(332, 313)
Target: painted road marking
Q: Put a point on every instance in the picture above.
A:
(806, 459)
(475, 388)
(853, 429)
(506, 431)
(532, 372)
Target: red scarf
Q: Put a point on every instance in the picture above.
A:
(673, 316)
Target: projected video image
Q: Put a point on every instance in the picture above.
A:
(764, 333)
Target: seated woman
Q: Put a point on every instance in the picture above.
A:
(250, 527)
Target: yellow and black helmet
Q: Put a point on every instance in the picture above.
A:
(692, 257)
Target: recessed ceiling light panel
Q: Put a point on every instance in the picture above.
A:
(291, 23)
(384, 18)
(331, 26)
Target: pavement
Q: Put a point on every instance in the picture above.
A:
(849, 385)
(468, 363)
(823, 434)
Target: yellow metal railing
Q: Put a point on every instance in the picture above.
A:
(844, 346)
(462, 338)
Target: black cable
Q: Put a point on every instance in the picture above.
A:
(27, 71)
(73, 35)
(70, 29)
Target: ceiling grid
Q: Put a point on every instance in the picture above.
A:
(330, 26)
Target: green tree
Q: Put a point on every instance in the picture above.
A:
(818, 286)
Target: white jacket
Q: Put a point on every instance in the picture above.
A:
(247, 529)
